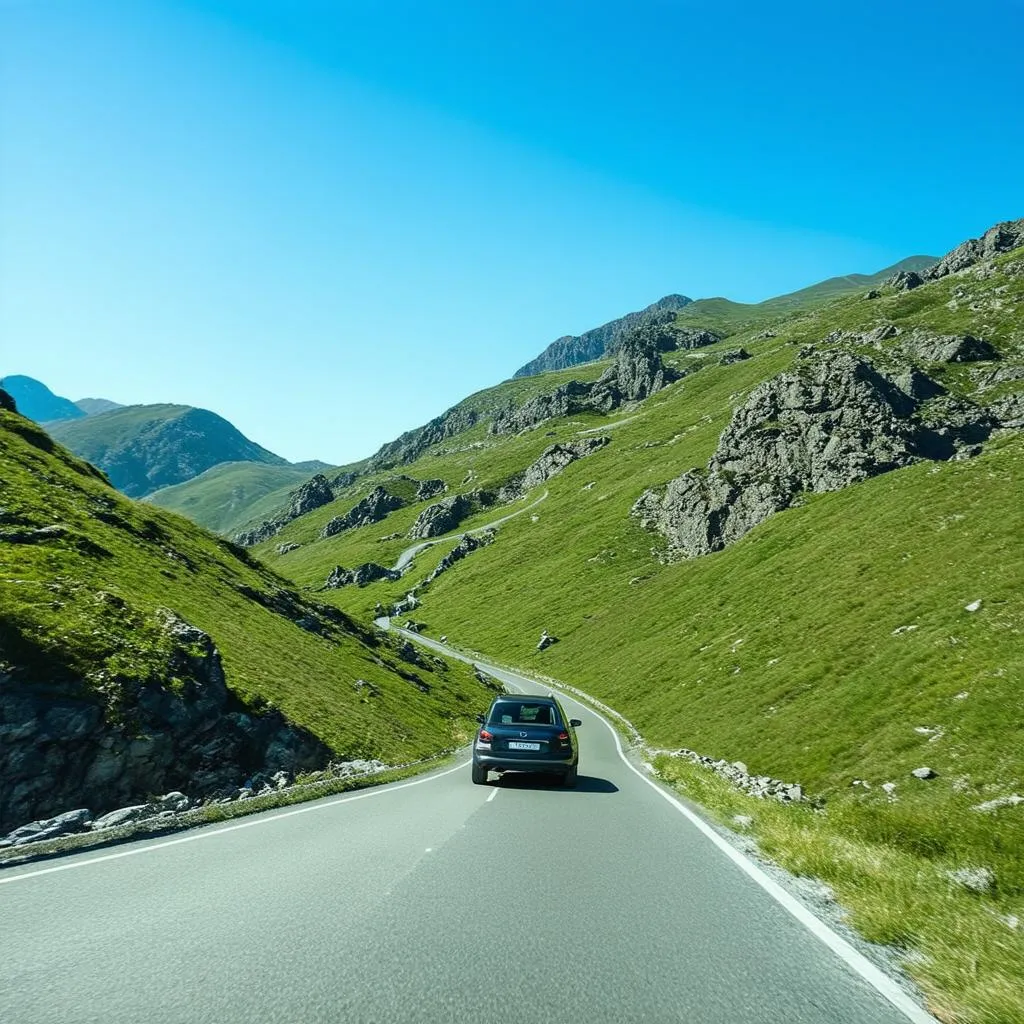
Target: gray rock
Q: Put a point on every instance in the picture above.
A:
(468, 543)
(546, 640)
(550, 463)
(444, 516)
(924, 773)
(1012, 800)
(283, 549)
(1002, 237)
(126, 816)
(733, 355)
(832, 422)
(742, 820)
(964, 348)
(430, 489)
(371, 509)
(413, 443)
(313, 494)
(361, 576)
(905, 280)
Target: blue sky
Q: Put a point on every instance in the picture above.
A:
(329, 221)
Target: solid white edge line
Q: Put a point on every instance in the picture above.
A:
(256, 820)
(852, 957)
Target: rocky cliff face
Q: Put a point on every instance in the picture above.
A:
(998, 239)
(572, 350)
(185, 730)
(831, 422)
(371, 509)
(637, 373)
(413, 443)
(444, 516)
(550, 463)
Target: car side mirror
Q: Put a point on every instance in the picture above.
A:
(480, 719)
(575, 723)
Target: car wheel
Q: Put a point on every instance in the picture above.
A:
(479, 774)
(570, 778)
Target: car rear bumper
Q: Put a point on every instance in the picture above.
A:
(498, 763)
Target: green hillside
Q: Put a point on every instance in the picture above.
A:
(227, 496)
(841, 640)
(84, 570)
(143, 448)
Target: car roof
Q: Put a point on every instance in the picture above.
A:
(550, 699)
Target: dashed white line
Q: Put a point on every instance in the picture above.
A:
(494, 793)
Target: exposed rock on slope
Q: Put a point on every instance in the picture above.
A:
(413, 443)
(314, 493)
(571, 350)
(1002, 237)
(550, 463)
(466, 546)
(371, 509)
(186, 731)
(637, 373)
(361, 576)
(831, 422)
(444, 516)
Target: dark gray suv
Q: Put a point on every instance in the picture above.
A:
(522, 733)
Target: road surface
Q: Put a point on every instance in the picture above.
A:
(431, 900)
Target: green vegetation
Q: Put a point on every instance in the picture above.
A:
(832, 643)
(145, 447)
(78, 608)
(228, 496)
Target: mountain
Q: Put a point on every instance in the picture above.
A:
(571, 350)
(791, 553)
(162, 657)
(227, 496)
(37, 401)
(143, 448)
(716, 314)
(94, 406)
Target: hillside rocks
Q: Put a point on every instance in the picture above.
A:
(430, 489)
(637, 373)
(762, 786)
(550, 463)
(371, 509)
(69, 750)
(571, 350)
(905, 280)
(413, 443)
(829, 423)
(962, 348)
(468, 543)
(444, 516)
(1002, 237)
(361, 576)
(316, 492)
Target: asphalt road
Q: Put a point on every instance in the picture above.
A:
(431, 900)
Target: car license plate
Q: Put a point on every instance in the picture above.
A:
(516, 745)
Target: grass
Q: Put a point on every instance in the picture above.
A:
(814, 650)
(227, 496)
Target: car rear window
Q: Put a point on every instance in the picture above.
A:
(515, 712)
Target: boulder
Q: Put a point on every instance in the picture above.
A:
(905, 280)
(924, 773)
(361, 576)
(371, 509)
(430, 489)
(962, 348)
(444, 516)
(468, 543)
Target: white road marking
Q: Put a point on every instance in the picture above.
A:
(494, 793)
(305, 809)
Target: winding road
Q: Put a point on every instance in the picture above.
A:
(433, 900)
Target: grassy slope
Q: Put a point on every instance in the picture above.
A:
(688, 651)
(53, 595)
(227, 496)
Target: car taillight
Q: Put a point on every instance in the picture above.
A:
(563, 735)
(485, 736)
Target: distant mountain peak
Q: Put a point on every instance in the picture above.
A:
(37, 402)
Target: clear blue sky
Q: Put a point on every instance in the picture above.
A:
(329, 221)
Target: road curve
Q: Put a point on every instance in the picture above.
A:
(431, 900)
(411, 552)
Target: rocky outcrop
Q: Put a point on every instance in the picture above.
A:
(637, 373)
(550, 463)
(361, 576)
(831, 422)
(61, 746)
(1000, 238)
(413, 443)
(445, 516)
(905, 280)
(313, 494)
(571, 350)
(963, 348)
(733, 355)
(371, 509)
(430, 489)
(468, 543)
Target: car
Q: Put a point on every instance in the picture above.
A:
(526, 733)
